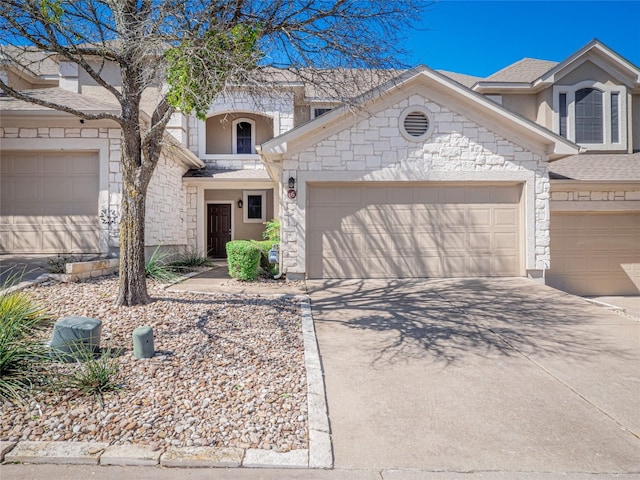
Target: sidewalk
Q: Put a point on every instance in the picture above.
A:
(217, 280)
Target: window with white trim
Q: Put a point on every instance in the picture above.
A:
(591, 114)
(254, 206)
(243, 136)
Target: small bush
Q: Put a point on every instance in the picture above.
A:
(244, 258)
(190, 259)
(21, 352)
(58, 264)
(268, 269)
(94, 376)
(272, 231)
(158, 268)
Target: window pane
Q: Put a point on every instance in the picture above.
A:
(320, 111)
(589, 116)
(615, 136)
(254, 207)
(563, 115)
(243, 137)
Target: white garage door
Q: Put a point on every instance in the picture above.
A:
(49, 202)
(413, 230)
(595, 254)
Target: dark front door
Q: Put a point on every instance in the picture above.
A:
(218, 229)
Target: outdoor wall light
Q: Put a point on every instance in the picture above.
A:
(240, 203)
(292, 182)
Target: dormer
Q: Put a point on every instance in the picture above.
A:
(587, 98)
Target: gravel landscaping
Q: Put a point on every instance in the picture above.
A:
(228, 372)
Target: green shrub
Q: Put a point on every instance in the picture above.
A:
(94, 375)
(21, 350)
(158, 267)
(190, 259)
(272, 231)
(268, 269)
(244, 258)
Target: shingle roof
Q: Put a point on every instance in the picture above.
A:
(73, 100)
(526, 70)
(466, 80)
(228, 174)
(597, 166)
(34, 62)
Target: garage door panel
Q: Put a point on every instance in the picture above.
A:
(504, 265)
(479, 241)
(595, 254)
(444, 236)
(454, 215)
(505, 217)
(505, 241)
(429, 265)
(49, 202)
(426, 217)
(479, 217)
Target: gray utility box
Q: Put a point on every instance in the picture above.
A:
(75, 338)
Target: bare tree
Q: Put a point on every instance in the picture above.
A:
(198, 49)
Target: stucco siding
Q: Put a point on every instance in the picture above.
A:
(524, 105)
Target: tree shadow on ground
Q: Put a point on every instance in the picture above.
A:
(448, 320)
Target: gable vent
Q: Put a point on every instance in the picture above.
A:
(416, 124)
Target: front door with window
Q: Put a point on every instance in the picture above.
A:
(218, 229)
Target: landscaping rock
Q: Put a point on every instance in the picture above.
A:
(228, 372)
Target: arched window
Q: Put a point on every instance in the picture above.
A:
(589, 116)
(244, 136)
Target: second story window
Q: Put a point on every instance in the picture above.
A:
(589, 126)
(592, 114)
(244, 136)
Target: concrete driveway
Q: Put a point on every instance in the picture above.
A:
(461, 375)
(17, 268)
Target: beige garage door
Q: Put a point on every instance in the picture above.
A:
(49, 202)
(595, 254)
(413, 230)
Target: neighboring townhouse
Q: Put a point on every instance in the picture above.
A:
(529, 172)
(593, 99)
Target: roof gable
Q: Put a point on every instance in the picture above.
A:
(526, 70)
(535, 75)
(440, 89)
(601, 56)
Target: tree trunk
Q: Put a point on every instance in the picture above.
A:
(135, 178)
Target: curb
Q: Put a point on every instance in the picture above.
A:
(320, 450)
(29, 283)
(318, 456)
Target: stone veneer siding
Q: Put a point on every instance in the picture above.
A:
(279, 108)
(376, 145)
(166, 209)
(607, 194)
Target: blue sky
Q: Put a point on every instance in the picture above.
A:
(480, 37)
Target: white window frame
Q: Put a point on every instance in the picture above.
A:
(607, 90)
(234, 135)
(245, 206)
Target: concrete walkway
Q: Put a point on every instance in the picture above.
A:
(477, 375)
(217, 280)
